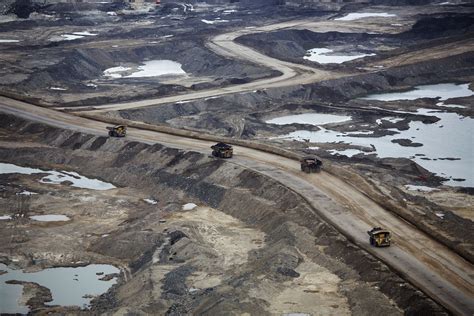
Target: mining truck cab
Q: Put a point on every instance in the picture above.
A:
(222, 150)
(117, 131)
(379, 237)
(311, 164)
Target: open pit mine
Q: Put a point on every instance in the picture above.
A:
(237, 157)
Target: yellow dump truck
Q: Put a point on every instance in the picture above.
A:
(310, 164)
(222, 150)
(379, 237)
(117, 131)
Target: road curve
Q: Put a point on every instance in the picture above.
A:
(224, 45)
(429, 265)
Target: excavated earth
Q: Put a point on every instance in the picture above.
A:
(250, 246)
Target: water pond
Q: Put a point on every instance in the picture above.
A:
(68, 286)
(56, 177)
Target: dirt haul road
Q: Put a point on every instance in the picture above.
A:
(224, 45)
(292, 74)
(429, 265)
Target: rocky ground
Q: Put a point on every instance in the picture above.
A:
(250, 245)
(227, 254)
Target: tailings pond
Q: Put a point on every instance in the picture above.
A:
(56, 177)
(446, 146)
(68, 286)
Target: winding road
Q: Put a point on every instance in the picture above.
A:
(435, 269)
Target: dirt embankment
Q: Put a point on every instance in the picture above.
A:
(81, 70)
(297, 240)
(292, 45)
(212, 114)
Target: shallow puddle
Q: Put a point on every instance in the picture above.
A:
(68, 286)
(443, 91)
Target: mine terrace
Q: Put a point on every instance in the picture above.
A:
(226, 157)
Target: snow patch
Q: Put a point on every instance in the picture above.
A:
(346, 152)
(57, 177)
(214, 22)
(357, 16)
(189, 206)
(50, 218)
(25, 192)
(150, 201)
(320, 55)
(420, 188)
(309, 118)
(115, 72)
(155, 68)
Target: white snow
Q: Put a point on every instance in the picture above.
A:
(390, 119)
(25, 192)
(357, 16)
(8, 41)
(154, 68)
(442, 91)
(393, 119)
(115, 72)
(215, 21)
(441, 104)
(150, 201)
(5, 217)
(57, 88)
(440, 215)
(309, 118)
(360, 133)
(420, 188)
(71, 37)
(50, 218)
(320, 55)
(346, 152)
(85, 33)
(189, 206)
(56, 177)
